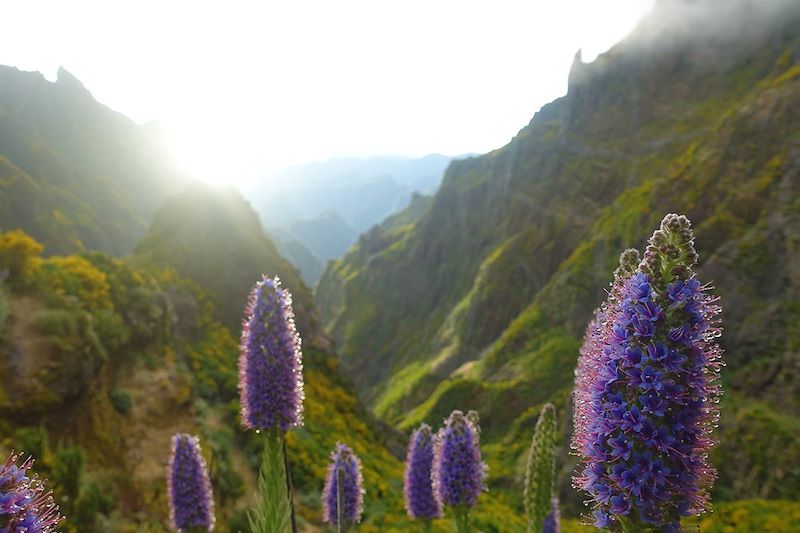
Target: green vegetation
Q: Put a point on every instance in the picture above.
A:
(116, 355)
(482, 302)
(73, 173)
(473, 299)
(121, 400)
(213, 237)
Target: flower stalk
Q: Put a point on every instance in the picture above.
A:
(649, 406)
(540, 474)
(191, 502)
(421, 503)
(343, 493)
(271, 396)
(458, 471)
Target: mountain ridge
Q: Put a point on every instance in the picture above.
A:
(482, 303)
(88, 177)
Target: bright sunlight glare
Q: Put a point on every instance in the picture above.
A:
(242, 88)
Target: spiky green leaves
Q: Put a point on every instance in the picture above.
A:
(272, 512)
(540, 475)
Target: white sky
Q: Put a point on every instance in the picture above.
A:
(243, 87)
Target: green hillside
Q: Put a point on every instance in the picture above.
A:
(482, 303)
(212, 236)
(73, 173)
(123, 285)
(102, 361)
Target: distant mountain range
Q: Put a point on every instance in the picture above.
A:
(316, 211)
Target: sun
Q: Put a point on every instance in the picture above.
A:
(205, 156)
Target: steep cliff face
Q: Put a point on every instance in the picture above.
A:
(73, 173)
(482, 303)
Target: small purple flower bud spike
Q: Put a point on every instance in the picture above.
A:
(421, 503)
(188, 487)
(458, 471)
(344, 483)
(552, 523)
(270, 364)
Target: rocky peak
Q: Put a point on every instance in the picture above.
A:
(66, 80)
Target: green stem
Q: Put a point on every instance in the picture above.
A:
(426, 526)
(289, 490)
(341, 527)
(461, 519)
(629, 525)
(625, 524)
(272, 512)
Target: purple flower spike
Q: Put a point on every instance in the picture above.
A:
(270, 364)
(598, 335)
(343, 461)
(458, 472)
(649, 405)
(188, 488)
(420, 501)
(552, 523)
(25, 505)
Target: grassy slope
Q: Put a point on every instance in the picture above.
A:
(483, 302)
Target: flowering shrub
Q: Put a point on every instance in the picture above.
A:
(649, 405)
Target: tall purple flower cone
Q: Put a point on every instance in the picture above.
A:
(652, 401)
(188, 488)
(458, 471)
(552, 523)
(270, 364)
(26, 506)
(598, 335)
(343, 461)
(421, 503)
